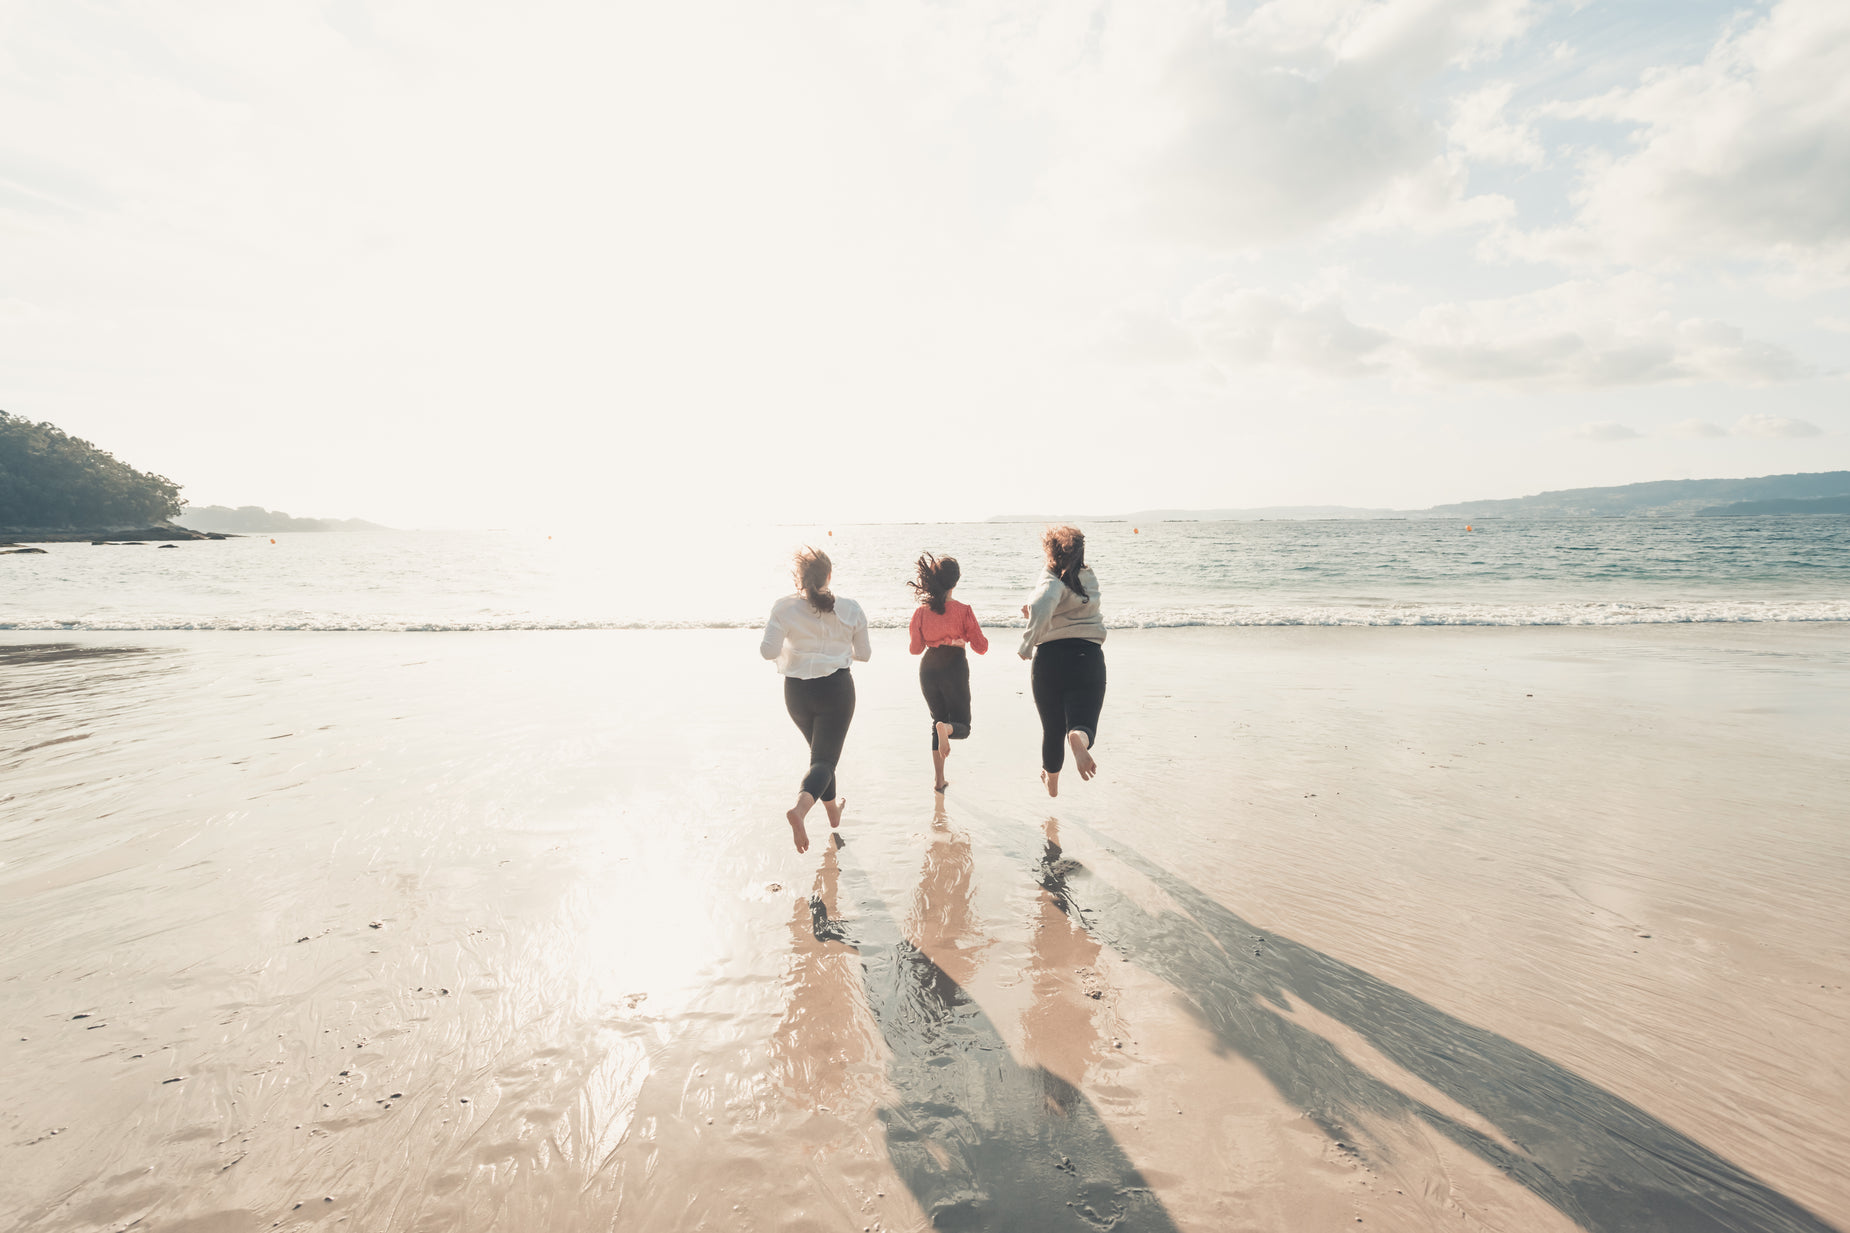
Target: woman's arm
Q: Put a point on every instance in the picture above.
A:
(973, 632)
(862, 649)
(918, 631)
(773, 644)
(1039, 611)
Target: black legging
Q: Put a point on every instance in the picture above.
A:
(944, 677)
(823, 709)
(1069, 689)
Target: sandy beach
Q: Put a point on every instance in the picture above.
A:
(1493, 929)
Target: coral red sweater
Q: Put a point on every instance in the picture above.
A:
(957, 623)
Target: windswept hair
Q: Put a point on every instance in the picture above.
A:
(812, 571)
(937, 575)
(1066, 556)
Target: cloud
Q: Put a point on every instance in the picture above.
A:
(1760, 424)
(1240, 326)
(1147, 335)
(1302, 116)
(1552, 359)
(1744, 155)
(1607, 430)
(1575, 335)
(1757, 424)
(1480, 131)
(1588, 334)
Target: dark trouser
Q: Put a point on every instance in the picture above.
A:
(822, 709)
(944, 676)
(1069, 689)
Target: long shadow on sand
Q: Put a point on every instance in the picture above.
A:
(982, 1141)
(1600, 1160)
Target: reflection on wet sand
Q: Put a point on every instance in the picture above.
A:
(941, 923)
(1060, 1025)
(982, 1141)
(38, 687)
(824, 1052)
(1601, 1161)
(20, 654)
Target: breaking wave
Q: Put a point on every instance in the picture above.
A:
(1433, 614)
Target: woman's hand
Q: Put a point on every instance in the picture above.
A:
(1024, 612)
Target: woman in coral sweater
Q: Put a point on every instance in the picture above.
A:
(941, 629)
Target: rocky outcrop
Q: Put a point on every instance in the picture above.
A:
(104, 535)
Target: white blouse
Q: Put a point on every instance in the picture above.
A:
(808, 644)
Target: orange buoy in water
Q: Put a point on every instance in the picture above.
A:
(272, 541)
(831, 535)
(1134, 531)
(1467, 526)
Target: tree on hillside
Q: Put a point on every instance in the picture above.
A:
(49, 479)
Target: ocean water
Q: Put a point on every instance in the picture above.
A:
(653, 576)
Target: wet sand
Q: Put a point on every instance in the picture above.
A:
(1517, 929)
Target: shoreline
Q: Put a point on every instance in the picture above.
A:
(1001, 629)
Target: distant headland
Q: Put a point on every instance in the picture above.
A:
(255, 520)
(1815, 492)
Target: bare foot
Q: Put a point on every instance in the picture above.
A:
(834, 809)
(941, 785)
(1052, 780)
(1082, 755)
(797, 831)
(944, 740)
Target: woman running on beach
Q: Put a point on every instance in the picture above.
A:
(1069, 666)
(813, 635)
(941, 628)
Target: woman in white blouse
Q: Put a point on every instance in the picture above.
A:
(813, 635)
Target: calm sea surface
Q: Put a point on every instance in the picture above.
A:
(1165, 574)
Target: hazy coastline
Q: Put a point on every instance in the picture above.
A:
(1812, 492)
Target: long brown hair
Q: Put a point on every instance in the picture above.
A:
(937, 575)
(1066, 556)
(813, 568)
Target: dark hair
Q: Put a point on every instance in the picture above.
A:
(1066, 556)
(937, 575)
(812, 576)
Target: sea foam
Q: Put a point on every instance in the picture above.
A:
(1385, 615)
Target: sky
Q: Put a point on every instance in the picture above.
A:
(446, 263)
